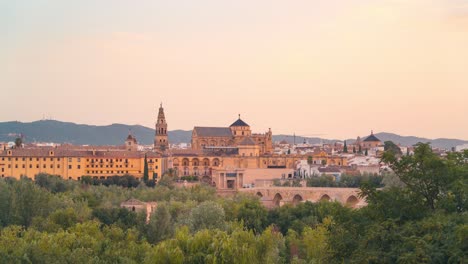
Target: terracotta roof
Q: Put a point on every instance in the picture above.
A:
(57, 152)
(186, 152)
(213, 131)
(247, 142)
(329, 169)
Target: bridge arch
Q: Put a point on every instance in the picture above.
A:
(325, 197)
(352, 201)
(277, 199)
(297, 199)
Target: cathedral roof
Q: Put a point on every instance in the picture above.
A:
(213, 131)
(239, 122)
(247, 142)
(371, 138)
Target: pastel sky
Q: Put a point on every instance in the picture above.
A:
(331, 68)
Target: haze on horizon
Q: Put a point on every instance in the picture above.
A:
(335, 68)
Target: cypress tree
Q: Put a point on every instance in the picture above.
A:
(366, 153)
(354, 149)
(345, 147)
(360, 150)
(145, 171)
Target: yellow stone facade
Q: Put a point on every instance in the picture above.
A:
(73, 164)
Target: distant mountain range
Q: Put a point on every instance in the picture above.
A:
(115, 134)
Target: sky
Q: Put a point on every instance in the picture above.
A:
(334, 69)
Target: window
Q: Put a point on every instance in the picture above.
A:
(37, 166)
(58, 166)
(51, 166)
(78, 159)
(44, 159)
(30, 159)
(58, 159)
(69, 167)
(3, 170)
(16, 159)
(79, 166)
(16, 166)
(44, 166)
(69, 159)
(23, 159)
(30, 166)
(24, 166)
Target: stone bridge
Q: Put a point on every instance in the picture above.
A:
(278, 196)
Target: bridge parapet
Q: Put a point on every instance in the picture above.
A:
(277, 196)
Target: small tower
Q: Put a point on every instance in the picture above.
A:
(160, 137)
(131, 143)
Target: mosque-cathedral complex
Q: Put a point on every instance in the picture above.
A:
(226, 157)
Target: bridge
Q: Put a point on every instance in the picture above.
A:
(277, 196)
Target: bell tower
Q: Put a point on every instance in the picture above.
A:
(160, 137)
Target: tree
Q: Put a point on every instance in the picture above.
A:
(18, 142)
(160, 226)
(354, 149)
(207, 215)
(424, 173)
(366, 152)
(360, 149)
(392, 147)
(145, 171)
(310, 160)
(345, 147)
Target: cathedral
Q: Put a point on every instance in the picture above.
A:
(238, 135)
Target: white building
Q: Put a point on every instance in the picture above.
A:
(461, 147)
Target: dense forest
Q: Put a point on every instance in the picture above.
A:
(418, 217)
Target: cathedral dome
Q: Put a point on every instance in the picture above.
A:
(239, 123)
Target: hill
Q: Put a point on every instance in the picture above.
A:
(115, 134)
(66, 132)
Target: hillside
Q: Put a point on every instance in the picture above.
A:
(65, 132)
(115, 134)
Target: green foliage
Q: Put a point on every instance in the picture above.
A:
(346, 181)
(18, 142)
(145, 171)
(160, 226)
(345, 147)
(128, 181)
(424, 173)
(207, 215)
(389, 146)
(52, 220)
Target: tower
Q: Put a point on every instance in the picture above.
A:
(131, 144)
(160, 137)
